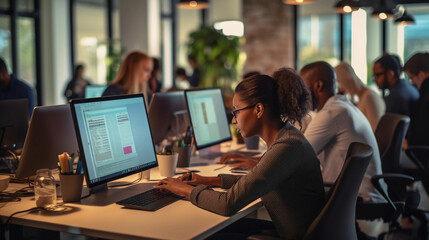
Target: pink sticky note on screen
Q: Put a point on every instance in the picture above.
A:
(128, 150)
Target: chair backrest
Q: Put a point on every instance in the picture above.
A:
(337, 218)
(390, 134)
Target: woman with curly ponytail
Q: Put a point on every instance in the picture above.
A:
(287, 177)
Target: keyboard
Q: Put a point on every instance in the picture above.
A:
(150, 200)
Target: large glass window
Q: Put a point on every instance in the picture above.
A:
(417, 36)
(26, 50)
(5, 41)
(91, 38)
(318, 38)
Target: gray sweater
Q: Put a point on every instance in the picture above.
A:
(287, 179)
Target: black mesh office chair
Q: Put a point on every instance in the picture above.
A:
(337, 218)
(390, 134)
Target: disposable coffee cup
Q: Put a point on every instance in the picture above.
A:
(71, 187)
(167, 164)
(184, 156)
(252, 143)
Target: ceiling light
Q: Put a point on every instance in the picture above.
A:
(405, 19)
(193, 4)
(298, 2)
(347, 6)
(382, 11)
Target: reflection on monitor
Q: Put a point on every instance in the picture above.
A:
(208, 117)
(13, 123)
(51, 132)
(114, 137)
(92, 91)
(167, 115)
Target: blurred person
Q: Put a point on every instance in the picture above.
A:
(265, 107)
(387, 70)
(14, 88)
(76, 86)
(154, 83)
(133, 76)
(370, 103)
(417, 69)
(195, 78)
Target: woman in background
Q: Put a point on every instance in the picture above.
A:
(76, 87)
(287, 178)
(370, 103)
(133, 76)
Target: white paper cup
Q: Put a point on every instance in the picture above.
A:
(167, 164)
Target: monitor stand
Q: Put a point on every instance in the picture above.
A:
(98, 188)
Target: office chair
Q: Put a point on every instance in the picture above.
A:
(390, 134)
(337, 218)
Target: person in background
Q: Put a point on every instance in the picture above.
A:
(14, 88)
(370, 103)
(133, 76)
(76, 87)
(417, 69)
(154, 83)
(287, 178)
(194, 79)
(387, 71)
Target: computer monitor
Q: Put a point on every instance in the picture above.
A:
(13, 123)
(51, 132)
(92, 91)
(168, 115)
(208, 116)
(114, 137)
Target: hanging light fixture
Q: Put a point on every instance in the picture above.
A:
(347, 6)
(298, 2)
(382, 11)
(405, 19)
(193, 4)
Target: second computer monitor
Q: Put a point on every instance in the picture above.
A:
(168, 116)
(208, 116)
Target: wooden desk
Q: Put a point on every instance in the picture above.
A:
(99, 216)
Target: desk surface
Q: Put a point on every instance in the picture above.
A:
(99, 216)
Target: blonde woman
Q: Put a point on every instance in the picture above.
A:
(370, 103)
(133, 76)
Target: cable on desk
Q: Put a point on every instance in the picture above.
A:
(34, 209)
(16, 196)
(87, 195)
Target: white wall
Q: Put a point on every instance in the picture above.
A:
(133, 25)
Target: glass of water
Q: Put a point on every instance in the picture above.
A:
(45, 189)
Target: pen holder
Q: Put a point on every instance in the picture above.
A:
(184, 156)
(71, 187)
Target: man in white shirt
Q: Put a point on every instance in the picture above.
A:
(337, 124)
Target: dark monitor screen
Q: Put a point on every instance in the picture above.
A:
(13, 123)
(208, 116)
(168, 115)
(114, 137)
(92, 91)
(51, 132)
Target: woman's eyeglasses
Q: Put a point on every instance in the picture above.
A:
(234, 112)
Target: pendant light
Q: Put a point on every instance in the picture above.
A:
(193, 4)
(347, 6)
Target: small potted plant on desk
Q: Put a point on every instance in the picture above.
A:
(167, 161)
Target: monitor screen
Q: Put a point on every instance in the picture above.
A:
(168, 115)
(51, 132)
(114, 137)
(13, 123)
(208, 116)
(92, 91)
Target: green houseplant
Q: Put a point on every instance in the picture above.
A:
(217, 56)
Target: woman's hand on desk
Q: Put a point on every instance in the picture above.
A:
(238, 160)
(175, 186)
(198, 180)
